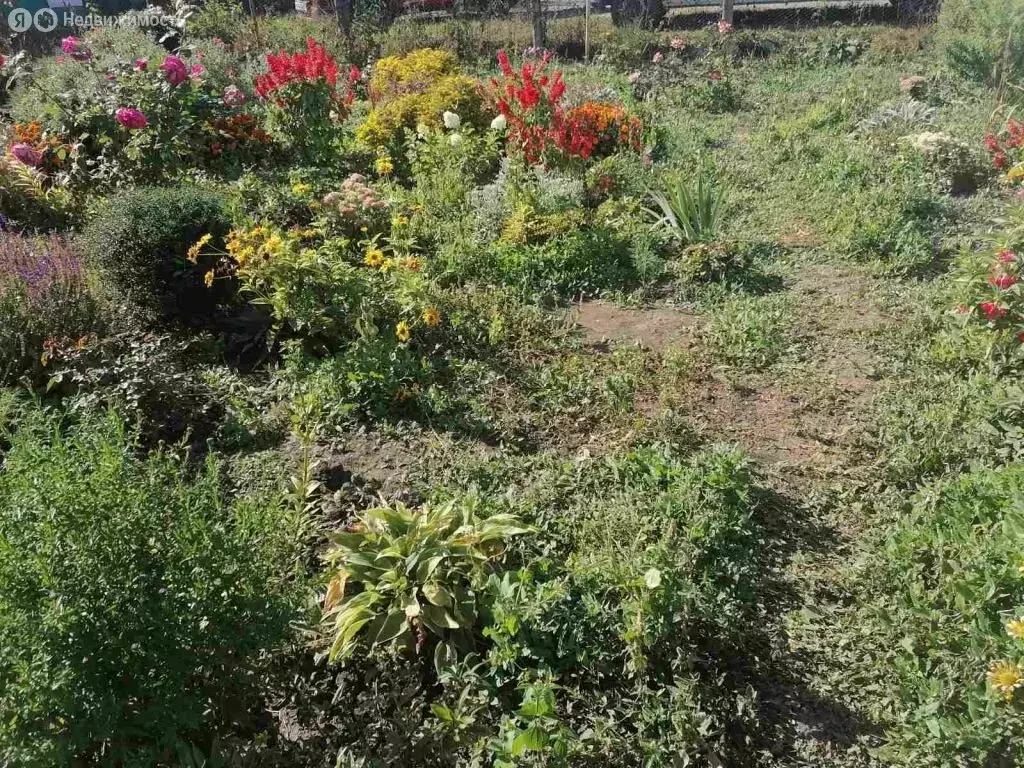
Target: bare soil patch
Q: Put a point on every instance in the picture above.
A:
(653, 327)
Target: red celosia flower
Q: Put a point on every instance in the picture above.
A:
(314, 65)
(1002, 282)
(992, 310)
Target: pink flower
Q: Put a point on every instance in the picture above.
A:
(1006, 256)
(658, 57)
(141, 65)
(992, 310)
(111, 76)
(174, 70)
(2, 61)
(26, 155)
(233, 96)
(196, 71)
(676, 43)
(634, 78)
(75, 48)
(714, 75)
(724, 27)
(131, 118)
(1002, 282)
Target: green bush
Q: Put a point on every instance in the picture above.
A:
(984, 39)
(140, 239)
(949, 583)
(135, 598)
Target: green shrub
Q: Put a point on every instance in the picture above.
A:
(984, 39)
(949, 582)
(140, 240)
(135, 598)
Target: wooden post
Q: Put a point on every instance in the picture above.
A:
(727, 11)
(540, 30)
(586, 32)
(343, 9)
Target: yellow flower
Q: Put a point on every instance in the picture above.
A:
(301, 189)
(412, 263)
(387, 265)
(1004, 678)
(1016, 173)
(432, 317)
(193, 252)
(1015, 629)
(402, 331)
(374, 257)
(208, 278)
(384, 166)
(274, 245)
(399, 220)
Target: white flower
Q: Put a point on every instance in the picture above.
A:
(634, 78)
(499, 123)
(422, 129)
(451, 121)
(455, 139)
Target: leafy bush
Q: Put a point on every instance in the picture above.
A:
(135, 598)
(140, 241)
(45, 301)
(950, 591)
(407, 91)
(984, 39)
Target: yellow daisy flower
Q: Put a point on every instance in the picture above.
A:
(431, 317)
(1005, 678)
(202, 242)
(374, 258)
(1015, 629)
(402, 331)
(208, 278)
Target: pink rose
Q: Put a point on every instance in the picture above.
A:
(26, 155)
(131, 118)
(141, 65)
(174, 70)
(197, 71)
(75, 48)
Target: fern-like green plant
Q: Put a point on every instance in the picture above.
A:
(691, 210)
(404, 572)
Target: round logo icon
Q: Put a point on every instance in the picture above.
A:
(46, 20)
(20, 20)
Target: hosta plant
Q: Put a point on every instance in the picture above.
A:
(402, 573)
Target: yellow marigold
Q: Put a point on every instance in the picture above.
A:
(384, 166)
(202, 242)
(1005, 677)
(412, 263)
(431, 317)
(402, 331)
(208, 278)
(374, 257)
(1015, 628)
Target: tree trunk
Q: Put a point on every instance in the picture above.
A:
(343, 9)
(540, 26)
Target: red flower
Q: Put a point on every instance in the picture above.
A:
(314, 65)
(992, 310)
(1002, 282)
(174, 70)
(2, 60)
(1006, 256)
